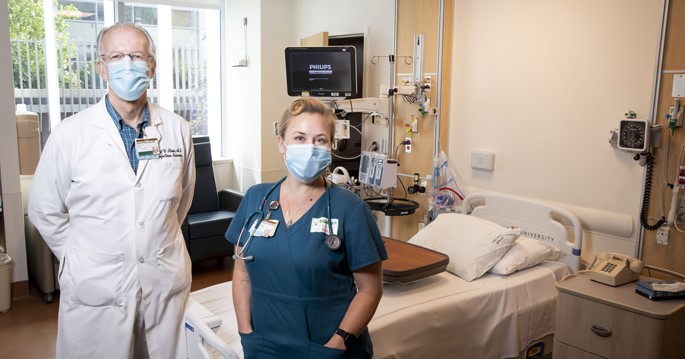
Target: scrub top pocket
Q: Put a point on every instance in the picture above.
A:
(252, 344)
(323, 321)
(318, 351)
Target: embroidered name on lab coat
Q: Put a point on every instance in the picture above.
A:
(170, 152)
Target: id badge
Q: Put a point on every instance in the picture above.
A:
(320, 225)
(147, 148)
(266, 229)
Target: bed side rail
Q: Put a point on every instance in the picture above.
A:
(200, 324)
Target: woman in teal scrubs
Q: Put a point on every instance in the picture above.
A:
(298, 293)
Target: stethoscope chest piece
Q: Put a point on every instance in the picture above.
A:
(333, 242)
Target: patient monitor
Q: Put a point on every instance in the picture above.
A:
(615, 269)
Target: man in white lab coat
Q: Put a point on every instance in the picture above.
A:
(112, 188)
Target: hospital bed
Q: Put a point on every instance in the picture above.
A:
(441, 316)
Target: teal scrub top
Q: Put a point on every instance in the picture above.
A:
(301, 288)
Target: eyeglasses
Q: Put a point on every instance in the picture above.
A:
(118, 56)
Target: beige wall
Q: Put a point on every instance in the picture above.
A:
(541, 83)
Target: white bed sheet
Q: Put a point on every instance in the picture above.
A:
(442, 316)
(445, 316)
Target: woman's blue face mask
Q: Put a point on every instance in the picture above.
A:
(128, 79)
(307, 162)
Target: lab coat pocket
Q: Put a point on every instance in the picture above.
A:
(173, 268)
(169, 172)
(94, 279)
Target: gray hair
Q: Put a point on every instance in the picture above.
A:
(151, 50)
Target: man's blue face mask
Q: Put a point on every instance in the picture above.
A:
(128, 79)
(307, 162)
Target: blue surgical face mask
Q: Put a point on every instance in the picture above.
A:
(307, 162)
(128, 79)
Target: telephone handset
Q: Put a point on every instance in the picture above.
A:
(615, 269)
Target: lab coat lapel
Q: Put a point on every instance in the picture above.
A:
(105, 123)
(151, 131)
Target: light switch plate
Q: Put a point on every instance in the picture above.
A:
(483, 160)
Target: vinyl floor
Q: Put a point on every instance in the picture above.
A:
(28, 330)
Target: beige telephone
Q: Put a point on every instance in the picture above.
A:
(615, 269)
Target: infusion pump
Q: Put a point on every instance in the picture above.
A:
(378, 170)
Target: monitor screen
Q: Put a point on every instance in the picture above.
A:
(329, 71)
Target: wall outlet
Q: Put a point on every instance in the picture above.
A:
(407, 146)
(662, 234)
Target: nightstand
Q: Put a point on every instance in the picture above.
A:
(598, 321)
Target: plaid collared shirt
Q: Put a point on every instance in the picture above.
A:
(128, 134)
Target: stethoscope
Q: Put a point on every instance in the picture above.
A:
(333, 242)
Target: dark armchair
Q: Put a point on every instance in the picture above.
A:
(211, 211)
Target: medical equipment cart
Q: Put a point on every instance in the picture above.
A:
(595, 320)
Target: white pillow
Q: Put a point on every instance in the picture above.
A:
(473, 244)
(525, 252)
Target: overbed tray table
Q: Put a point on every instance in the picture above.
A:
(408, 262)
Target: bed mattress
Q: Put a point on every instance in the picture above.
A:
(443, 316)
(490, 317)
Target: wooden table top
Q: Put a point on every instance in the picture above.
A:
(408, 262)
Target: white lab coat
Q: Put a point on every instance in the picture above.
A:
(116, 233)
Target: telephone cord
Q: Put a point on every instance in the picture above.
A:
(645, 198)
